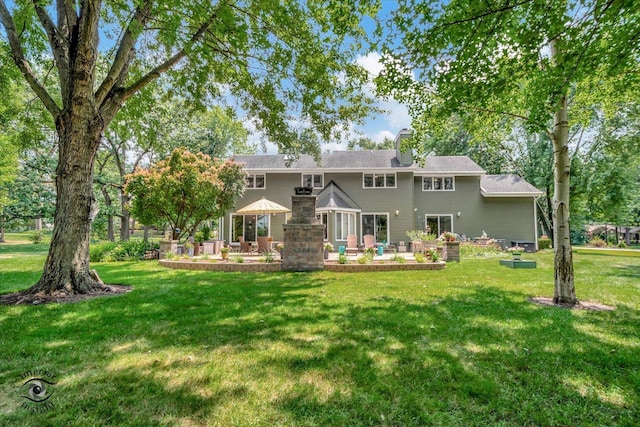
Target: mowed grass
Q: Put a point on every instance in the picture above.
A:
(458, 347)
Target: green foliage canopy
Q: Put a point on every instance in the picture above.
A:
(184, 190)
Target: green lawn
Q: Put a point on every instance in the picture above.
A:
(458, 347)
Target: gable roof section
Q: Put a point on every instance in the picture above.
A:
(355, 161)
(338, 160)
(507, 186)
(333, 197)
(449, 165)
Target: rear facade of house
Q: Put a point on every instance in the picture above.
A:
(386, 193)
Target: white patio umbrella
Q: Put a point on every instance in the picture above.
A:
(263, 206)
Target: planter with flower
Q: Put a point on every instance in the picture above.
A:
(449, 236)
(280, 247)
(516, 252)
(328, 247)
(224, 253)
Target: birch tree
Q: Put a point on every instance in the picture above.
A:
(496, 61)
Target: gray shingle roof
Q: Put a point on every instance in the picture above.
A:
(333, 197)
(451, 164)
(360, 160)
(507, 186)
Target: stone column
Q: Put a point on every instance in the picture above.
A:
(451, 251)
(303, 237)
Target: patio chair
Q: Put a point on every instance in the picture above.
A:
(352, 244)
(369, 241)
(245, 247)
(263, 244)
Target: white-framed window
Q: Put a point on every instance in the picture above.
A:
(345, 224)
(379, 180)
(439, 224)
(376, 224)
(249, 226)
(315, 180)
(438, 183)
(256, 181)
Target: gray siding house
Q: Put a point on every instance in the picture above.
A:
(387, 193)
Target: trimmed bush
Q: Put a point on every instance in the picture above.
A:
(597, 242)
(544, 242)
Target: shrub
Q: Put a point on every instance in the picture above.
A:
(36, 237)
(612, 239)
(597, 242)
(364, 259)
(342, 259)
(419, 256)
(400, 259)
(237, 258)
(434, 255)
(544, 242)
(622, 244)
(267, 257)
(118, 251)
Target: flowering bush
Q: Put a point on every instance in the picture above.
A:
(516, 249)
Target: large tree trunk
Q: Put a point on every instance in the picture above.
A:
(108, 203)
(125, 218)
(564, 288)
(66, 270)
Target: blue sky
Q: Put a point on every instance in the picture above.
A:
(379, 127)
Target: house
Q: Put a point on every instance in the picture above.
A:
(386, 193)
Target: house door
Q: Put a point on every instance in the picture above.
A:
(439, 224)
(376, 225)
(249, 227)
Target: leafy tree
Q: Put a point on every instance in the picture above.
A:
(214, 131)
(364, 143)
(496, 62)
(278, 60)
(184, 190)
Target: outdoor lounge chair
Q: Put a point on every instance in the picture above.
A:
(263, 244)
(369, 241)
(245, 247)
(352, 244)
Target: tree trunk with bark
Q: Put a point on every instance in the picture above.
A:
(108, 203)
(66, 270)
(564, 286)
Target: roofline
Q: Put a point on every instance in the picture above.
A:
(451, 173)
(320, 169)
(335, 209)
(534, 194)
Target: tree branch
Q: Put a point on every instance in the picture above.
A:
(110, 106)
(59, 45)
(125, 51)
(22, 63)
(501, 9)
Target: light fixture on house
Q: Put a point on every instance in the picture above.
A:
(459, 213)
(397, 212)
(415, 209)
